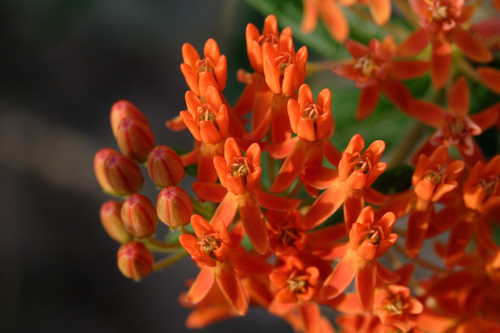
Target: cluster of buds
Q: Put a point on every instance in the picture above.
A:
(260, 218)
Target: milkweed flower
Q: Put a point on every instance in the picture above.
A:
(442, 24)
(376, 70)
(369, 238)
(134, 260)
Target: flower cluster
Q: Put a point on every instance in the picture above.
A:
(261, 218)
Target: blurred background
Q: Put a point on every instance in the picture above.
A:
(64, 63)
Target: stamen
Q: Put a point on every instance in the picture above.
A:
(297, 285)
(311, 112)
(367, 65)
(374, 236)
(209, 245)
(239, 168)
(205, 113)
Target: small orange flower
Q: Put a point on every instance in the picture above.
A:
(482, 187)
(375, 71)
(368, 239)
(209, 71)
(455, 127)
(349, 184)
(395, 307)
(441, 24)
(331, 14)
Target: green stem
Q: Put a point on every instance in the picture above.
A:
(159, 246)
(169, 261)
(407, 145)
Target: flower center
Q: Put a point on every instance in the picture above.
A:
(366, 65)
(209, 245)
(489, 185)
(395, 306)
(289, 236)
(439, 12)
(205, 113)
(283, 60)
(267, 38)
(204, 65)
(297, 285)
(311, 112)
(239, 168)
(435, 176)
(360, 164)
(374, 236)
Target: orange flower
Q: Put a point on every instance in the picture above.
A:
(313, 123)
(240, 175)
(287, 235)
(441, 22)
(349, 184)
(201, 73)
(210, 249)
(395, 307)
(455, 127)
(375, 71)
(331, 14)
(284, 69)
(434, 176)
(368, 239)
(482, 187)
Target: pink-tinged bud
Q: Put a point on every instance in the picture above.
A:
(165, 167)
(112, 222)
(174, 206)
(135, 138)
(139, 216)
(124, 109)
(134, 260)
(117, 174)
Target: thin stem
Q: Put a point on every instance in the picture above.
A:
(296, 189)
(466, 68)
(419, 261)
(407, 145)
(318, 66)
(169, 261)
(159, 246)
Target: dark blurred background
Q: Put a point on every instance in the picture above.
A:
(63, 64)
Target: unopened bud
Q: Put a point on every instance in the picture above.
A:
(165, 167)
(135, 138)
(134, 260)
(112, 222)
(139, 216)
(117, 174)
(174, 206)
(124, 109)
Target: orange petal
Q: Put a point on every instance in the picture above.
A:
(418, 223)
(334, 20)
(487, 118)
(415, 43)
(311, 317)
(231, 288)
(225, 212)
(254, 225)
(380, 10)
(441, 63)
(201, 286)
(206, 170)
(209, 191)
(365, 284)
(339, 279)
(274, 202)
(404, 70)
(271, 73)
(428, 113)
(191, 78)
(189, 54)
(326, 204)
(310, 16)
(471, 46)
(458, 97)
(398, 94)
(291, 80)
(490, 77)
(367, 102)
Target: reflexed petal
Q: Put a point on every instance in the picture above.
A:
(326, 205)
(458, 97)
(254, 225)
(380, 10)
(225, 212)
(231, 288)
(415, 43)
(490, 77)
(404, 70)
(334, 20)
(312, 317)
(201, 286)
(310, 16)
(367, 102)
(471, 46)
(365, 285)
(340, 278)
(441, 63)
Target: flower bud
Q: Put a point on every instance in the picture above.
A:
(174, 206)
(117, 174)
(124, 109)
(134, 260)
(139, 216)
(112, 222)
(165, 167)
(135, 138)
